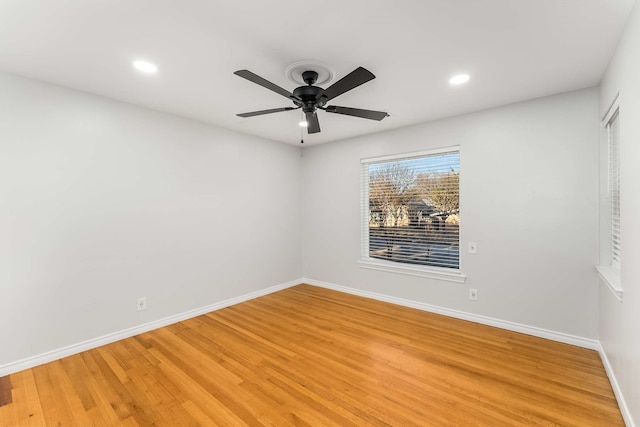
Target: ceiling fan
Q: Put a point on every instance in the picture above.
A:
(313, 98)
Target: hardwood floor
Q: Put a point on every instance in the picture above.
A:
(308, 356)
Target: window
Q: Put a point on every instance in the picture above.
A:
(610, 237)
(411, 211)
(613, 138)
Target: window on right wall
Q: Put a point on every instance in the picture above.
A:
(613, 137)
(610, 247)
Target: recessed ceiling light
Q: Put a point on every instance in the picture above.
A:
(303, 124)
(459, 79)
(145, 67)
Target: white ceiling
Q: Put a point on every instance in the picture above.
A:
(513, 49)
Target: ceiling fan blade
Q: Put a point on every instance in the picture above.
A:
(357, 112)
(313, 123)
(352, 80)
(261, 112)
(246, 74)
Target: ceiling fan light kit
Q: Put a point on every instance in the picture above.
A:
(311, 98)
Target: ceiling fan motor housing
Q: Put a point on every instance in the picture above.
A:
(310, 96)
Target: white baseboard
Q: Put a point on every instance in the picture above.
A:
(485, 320)
(59, 353)
(622, 404)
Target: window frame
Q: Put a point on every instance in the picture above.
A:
(367, 262)
(613, 188)
(608, 266)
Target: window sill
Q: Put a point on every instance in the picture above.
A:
(430, 272)
(611, 279)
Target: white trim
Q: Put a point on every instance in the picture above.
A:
(613, 107)
(617, 391)
(477, 318)
(59, 353)
(447, 274)
(611, 279)
(364, 206)
(451, 149)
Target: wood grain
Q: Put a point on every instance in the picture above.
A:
(308, 356)
(5, 391)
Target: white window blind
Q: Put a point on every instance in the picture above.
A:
(613, 130)
(411, 208)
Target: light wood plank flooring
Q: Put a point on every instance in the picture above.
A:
(308, 356)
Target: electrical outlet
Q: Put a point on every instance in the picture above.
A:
(473, 294)
(472, 248)
(142, 304)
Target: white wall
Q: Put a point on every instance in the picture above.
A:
(529, 198)
(102, 202)
(620, 321)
